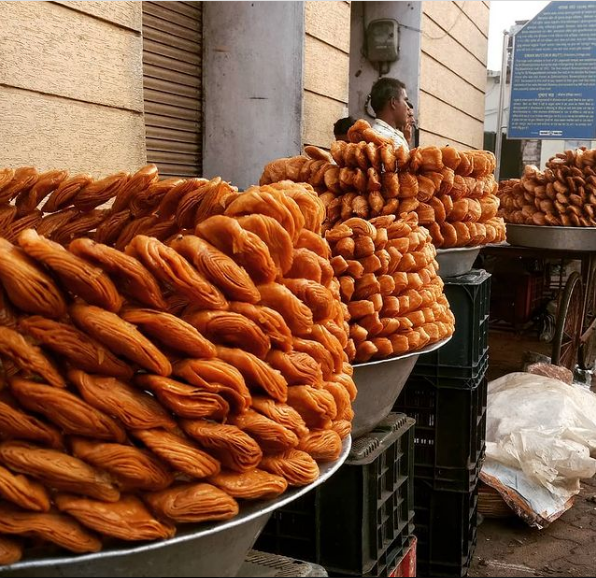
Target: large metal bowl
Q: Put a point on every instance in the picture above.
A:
(217, 549)
(379, 384)
(546, 237)
(457, 261)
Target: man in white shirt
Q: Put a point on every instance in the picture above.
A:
(389, 100)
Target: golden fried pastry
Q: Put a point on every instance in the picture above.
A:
(171, 200)
(80, 224)
(146, 200)
(142, 179)
(316, 297)
(202, 203)
(235, 449)
(343, 428)
(52, 223)
(133, 279)
(131, 467)
(313, 242)
(280, 413)
(14, 182)
(340, 332)
(11, 551)
(319, 353)
(271, 436)
(7, 215)
(268, 320)
(64, 195)
(276, 238)
(28, 358)
(27, 286)
(232, 329)
(322, 445)
(306, 265)
(307, 200)
(171, 331)
(253, 485)
(296, 466)
(296, 314)
(134, 408)
(98, 192)
(55, 528)
(246, 248)
(58, 470)
(270, 202)
(79, 349)
(217, 268)
(185, 400)
(256, 372)
(17, 226)
(23, 492)
(110, 229)
(171, 268)
(29, 199)
(193, 503)
(127, 519)
(342, 400)
(179, 452)
(82, 279)
(66, 410)
(297, 368)
(365, 351)
(330, 342)
(216, 376)
(316, 406)
(16, 424)
(121, 337)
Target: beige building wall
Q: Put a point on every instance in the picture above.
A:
(453, 73)
(326, 70)
(71, 86)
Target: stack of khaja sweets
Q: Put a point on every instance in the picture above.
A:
(452, 192)
(564, 194)
(148, 383)
(388, 277)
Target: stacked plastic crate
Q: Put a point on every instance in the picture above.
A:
(359, 522)
(446, 395)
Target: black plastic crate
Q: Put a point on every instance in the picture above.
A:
(462, 357)
(450, 432)
(446, 528)
(358, 521)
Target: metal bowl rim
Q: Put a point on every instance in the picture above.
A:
(458, 250)
(550, 227)
(251, 512)
(427, 349)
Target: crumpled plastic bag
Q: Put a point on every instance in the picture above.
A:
(540, 435)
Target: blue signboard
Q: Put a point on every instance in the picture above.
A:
(553, 84)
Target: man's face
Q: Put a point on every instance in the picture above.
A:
(400, 109)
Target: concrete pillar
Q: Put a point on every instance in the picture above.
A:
(253, 85)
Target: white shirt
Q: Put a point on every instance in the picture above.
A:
(388, 131)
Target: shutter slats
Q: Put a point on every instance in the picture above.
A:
(172, 67)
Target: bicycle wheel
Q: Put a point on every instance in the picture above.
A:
(587, 347)
(569, 323)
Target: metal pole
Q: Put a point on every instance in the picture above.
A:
(503, 82)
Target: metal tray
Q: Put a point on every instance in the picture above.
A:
(379, 384)
(217, 549)
(457, 261)
(547, 237)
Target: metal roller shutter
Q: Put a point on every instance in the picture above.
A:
(172, 81)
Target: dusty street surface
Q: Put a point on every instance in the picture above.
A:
(508, 547)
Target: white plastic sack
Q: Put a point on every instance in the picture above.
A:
(540, 434)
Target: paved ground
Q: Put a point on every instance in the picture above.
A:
(508, 547)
